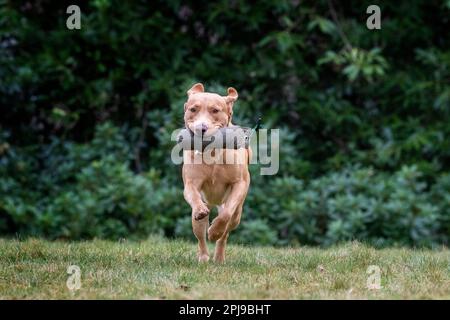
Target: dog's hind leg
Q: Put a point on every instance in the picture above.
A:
(219, 253)
(199, 227)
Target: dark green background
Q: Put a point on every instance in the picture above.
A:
(86, 117)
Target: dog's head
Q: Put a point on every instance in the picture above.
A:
(205, 112)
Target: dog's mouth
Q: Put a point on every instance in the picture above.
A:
(210, 132)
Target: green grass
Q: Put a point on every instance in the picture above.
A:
(163, 269)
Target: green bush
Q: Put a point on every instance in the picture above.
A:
(257, 232)
(91, 192)
(356, 203)
(86, 117)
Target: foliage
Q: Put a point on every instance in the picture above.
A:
(86, 117)
(358, 203)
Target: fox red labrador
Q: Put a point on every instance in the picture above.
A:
(215, 183)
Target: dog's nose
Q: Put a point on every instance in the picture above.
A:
(203, 127)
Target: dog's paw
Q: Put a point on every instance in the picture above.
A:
(217, 229)
(203, 258)
(219, 258)
(200, 212)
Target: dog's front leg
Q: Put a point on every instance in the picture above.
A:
(232, 203)
(200, 220)
(193, 197)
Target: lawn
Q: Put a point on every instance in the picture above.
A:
(167, 269)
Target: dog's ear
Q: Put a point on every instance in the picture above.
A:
(232, 96)
(230, 99)
(196, 88)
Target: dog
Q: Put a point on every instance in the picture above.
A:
(216, 184)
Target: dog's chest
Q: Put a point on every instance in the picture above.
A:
(216, 187)
(216, 177)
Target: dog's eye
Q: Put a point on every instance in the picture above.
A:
(215, 110)
(192, 109)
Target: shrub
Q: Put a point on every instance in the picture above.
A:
(86, 117)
